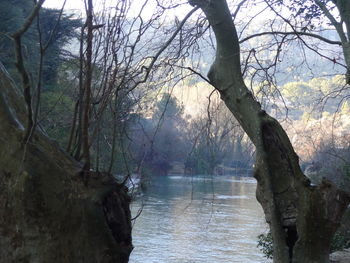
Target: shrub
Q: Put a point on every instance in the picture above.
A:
(265, 244)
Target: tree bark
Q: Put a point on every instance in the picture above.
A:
(47, 213)
(87, 88)
(302, 218)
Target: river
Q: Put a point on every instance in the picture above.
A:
(199, 219)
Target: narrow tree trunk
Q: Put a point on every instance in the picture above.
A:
(47, 214)
(302, 218)
(87, 88)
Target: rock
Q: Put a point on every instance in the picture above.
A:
(342, 256)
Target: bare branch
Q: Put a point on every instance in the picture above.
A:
(238, 8)
(22, 70)
(29, 20)
(338, 26)
(161, 50)
(298, 33)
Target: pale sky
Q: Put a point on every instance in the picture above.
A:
(71, 4)
(136, 5)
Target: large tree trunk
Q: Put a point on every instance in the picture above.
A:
(302, 218)
(47, 213)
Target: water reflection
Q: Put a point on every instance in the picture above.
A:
(198, 220)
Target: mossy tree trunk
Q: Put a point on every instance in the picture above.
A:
(47, 213)
(302, 218)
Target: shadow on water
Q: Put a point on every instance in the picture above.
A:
(198, 219)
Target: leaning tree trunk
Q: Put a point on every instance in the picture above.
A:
(302, 218)
(47, 213)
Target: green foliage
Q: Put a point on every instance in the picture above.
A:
(168, 107)
(57, 109)
(303, 97)
(201, 161)
(345, 171)
(345, 108)
(13, 14)
(57, 34)
(265, 244)
(165, 126)
(340, 241)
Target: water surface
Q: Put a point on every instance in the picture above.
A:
(198, 220)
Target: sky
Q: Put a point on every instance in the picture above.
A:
(75, 4)
(136, 5)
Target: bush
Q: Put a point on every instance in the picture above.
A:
(340, 241)
(265, 244)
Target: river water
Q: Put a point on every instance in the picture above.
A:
(198, 219)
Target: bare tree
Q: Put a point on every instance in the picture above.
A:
(55, 208)
(47, 213)
(294, 209)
